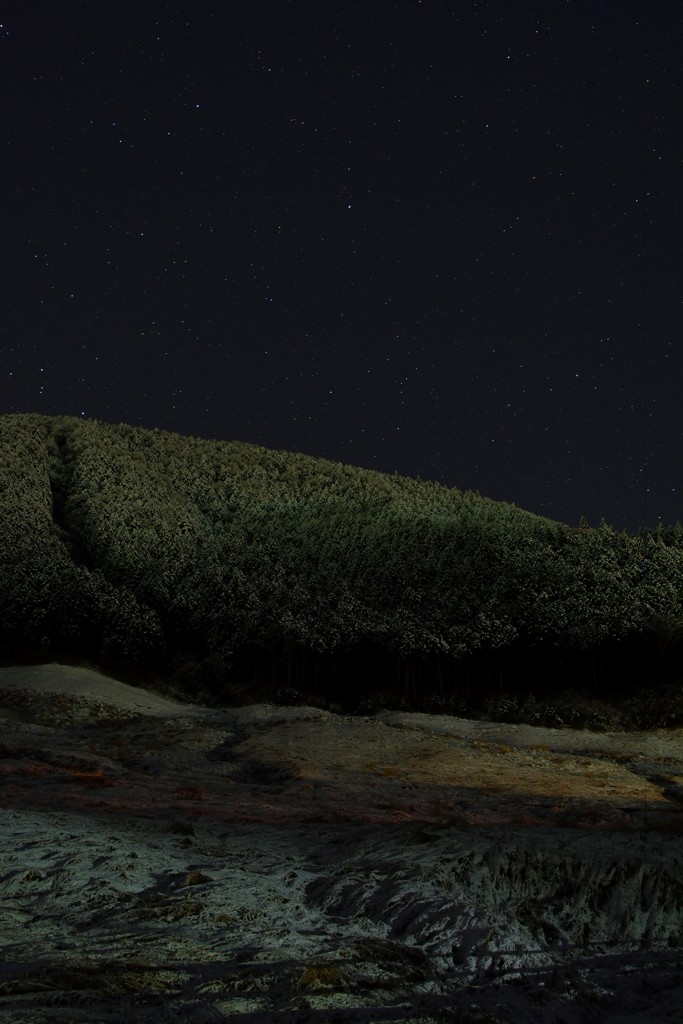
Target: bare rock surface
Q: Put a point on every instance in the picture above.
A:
(169, 862)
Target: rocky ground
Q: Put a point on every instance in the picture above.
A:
(163, 862)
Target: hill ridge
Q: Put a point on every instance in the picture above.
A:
(147, 550)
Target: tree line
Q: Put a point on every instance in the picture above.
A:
(148, 552)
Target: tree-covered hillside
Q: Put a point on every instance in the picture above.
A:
(225, 564)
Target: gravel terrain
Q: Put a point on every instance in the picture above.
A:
(165, 862)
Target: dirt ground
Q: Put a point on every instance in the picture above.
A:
(392, 766)
(163, 861)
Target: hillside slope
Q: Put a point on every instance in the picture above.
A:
(149, 552)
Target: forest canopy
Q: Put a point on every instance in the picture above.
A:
(223, 563)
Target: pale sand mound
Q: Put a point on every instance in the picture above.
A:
(92, 686)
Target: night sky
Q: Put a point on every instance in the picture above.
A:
(438, 239)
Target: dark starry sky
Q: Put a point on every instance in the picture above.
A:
(441, 239)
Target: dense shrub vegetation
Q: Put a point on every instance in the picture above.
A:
(229, 567)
